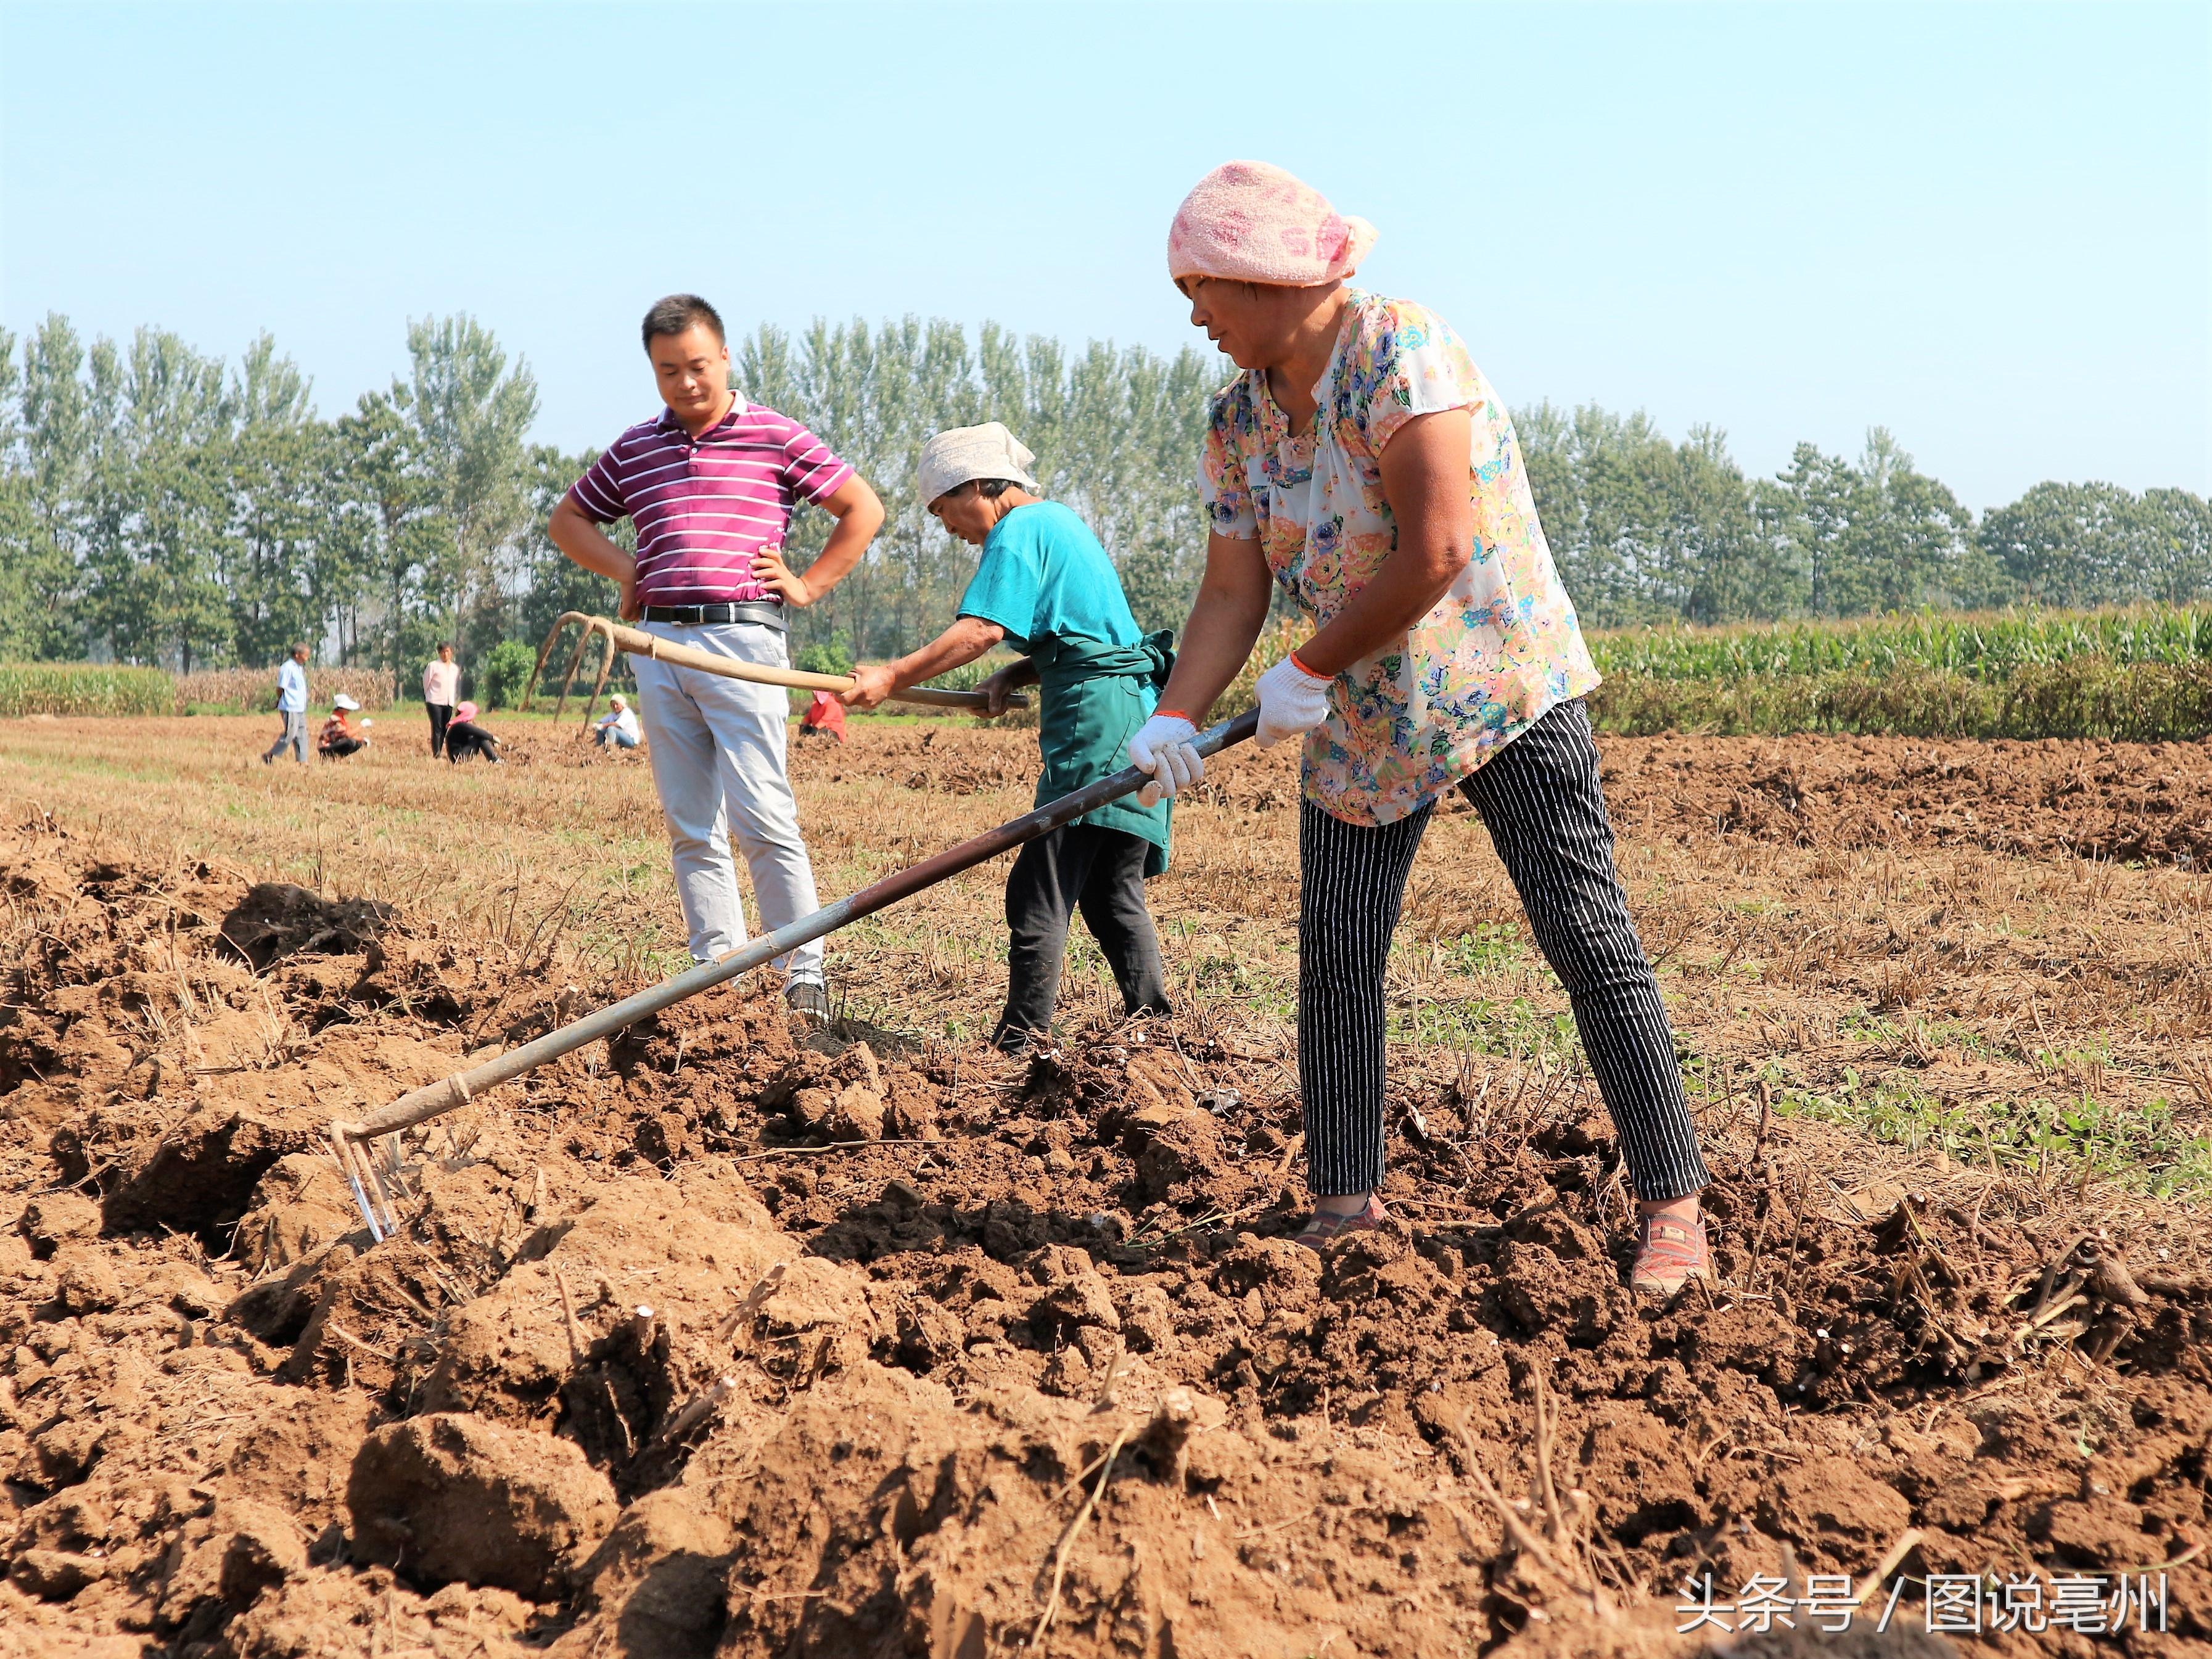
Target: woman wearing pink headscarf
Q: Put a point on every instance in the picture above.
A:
(464, 738)
(1361, 461)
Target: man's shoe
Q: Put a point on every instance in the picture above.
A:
(1669, 1254)
(810, 999)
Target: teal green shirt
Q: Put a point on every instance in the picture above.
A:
(1043, 575)
(1045, 579)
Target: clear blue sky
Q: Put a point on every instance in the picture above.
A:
(1987, 226)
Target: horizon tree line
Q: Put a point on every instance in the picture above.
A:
(161, 505)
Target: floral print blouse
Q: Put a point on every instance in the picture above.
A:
(1501, 649)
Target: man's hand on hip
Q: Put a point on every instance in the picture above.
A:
(771, 571)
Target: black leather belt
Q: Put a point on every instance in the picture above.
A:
(767, 615)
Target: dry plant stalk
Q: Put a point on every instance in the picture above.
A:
(1068, 1539)
(1561, 1538)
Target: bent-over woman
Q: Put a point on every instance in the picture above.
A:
(464, 738)
(1045, 585)
(1361, 461)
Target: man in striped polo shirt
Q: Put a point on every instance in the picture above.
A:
(710, 485)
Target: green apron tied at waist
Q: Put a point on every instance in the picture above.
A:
(1092, 698)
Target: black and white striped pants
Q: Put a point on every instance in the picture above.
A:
(1539, 796)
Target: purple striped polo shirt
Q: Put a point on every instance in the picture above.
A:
(704, 505)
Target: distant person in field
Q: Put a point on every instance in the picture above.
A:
(710, 483)
(1360, 462)
(441, 687)
(338, 738)
(1045, 584)
(291, 708)
(824, 717)
(465, 739)
(617, 728)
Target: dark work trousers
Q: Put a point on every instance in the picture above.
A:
(441, 715)
(339, 748)
(1100, 872)
(464, 738)
(1539, 798)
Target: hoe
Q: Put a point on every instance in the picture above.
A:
(638, 643)
(374, 1172)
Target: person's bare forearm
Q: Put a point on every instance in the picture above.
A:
(1225, 618)
(1405, 590)
(586, 544)
(966, 640)
(859, 516)
(1425, 473)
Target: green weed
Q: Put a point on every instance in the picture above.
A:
(2149, 1148)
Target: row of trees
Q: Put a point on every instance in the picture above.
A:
(159, 506)
(1649, 530)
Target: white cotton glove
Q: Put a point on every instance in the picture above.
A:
(1165, 747)
(1291, 701)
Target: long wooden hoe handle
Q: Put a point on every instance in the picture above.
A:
(639, 643)
(456, 1090)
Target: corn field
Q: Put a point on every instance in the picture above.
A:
(55, 688)
(2084, 696)
(97, 689)
(254, 690)
(2141, 675)
(1986, 646)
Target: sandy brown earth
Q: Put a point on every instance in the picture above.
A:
(715, 1341)
(2150, 803)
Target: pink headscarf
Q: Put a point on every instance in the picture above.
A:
(1250, 223)
(467, 711)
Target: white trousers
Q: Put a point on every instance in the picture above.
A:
(717, 748)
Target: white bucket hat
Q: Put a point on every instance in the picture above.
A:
(342, 701)
(959, 454)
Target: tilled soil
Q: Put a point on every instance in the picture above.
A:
(717, 1341)
(2150, 803)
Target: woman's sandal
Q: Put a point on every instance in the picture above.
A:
(1327, 1225)
(1669, 1256)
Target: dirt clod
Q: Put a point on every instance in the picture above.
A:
(54, 1218)
(452, 1498)
(729, 1339)
(275, 919)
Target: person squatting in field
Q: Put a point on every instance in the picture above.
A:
(617, 728)
(441, 686)
(338, 738)
(1361, 461)
(710, 483)
(464, 738)
(1045, 584)
(824, 717)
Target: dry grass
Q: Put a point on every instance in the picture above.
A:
(2053, 1016)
